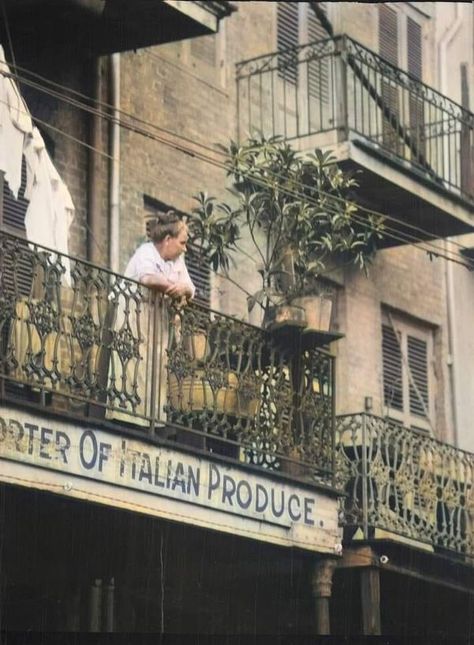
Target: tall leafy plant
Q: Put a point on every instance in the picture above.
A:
(297, 211)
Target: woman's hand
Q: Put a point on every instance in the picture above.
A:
(179, 290)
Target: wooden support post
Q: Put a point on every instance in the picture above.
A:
(322, 587)
(370, 598)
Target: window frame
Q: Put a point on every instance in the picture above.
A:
(405, 328)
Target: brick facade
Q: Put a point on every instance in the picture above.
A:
(189, 88)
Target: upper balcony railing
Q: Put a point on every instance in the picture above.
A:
(405, 483)
(341, 89)
(84, 341)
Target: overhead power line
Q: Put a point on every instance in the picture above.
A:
(395, 234)
(194, 151)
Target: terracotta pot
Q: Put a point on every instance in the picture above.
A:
(284, 315)
(318, 310)
(194, 393)
(196, 346)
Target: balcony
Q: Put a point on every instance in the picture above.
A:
(83, 343)
(405, 486)
(410, 145)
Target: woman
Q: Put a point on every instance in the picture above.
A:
(160, 266)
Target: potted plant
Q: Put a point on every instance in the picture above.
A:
(300, 220)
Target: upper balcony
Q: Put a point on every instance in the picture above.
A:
(413, 145)
(97, 27)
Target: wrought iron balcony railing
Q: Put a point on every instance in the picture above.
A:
(82, 340)
(406, 483)
(338, 86)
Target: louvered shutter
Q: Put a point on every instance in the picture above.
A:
(317, 69)
(287, 38)
(415, 66)
(14, 210)
(200, 275)
(17, 271)
(392, 369)
(417, 351)
(388, 49)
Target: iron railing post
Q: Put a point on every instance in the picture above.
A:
(365, 495)
(333, 421)
(342, 90)
(154, 367)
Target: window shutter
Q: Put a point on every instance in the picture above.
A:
(315, 29)
(414, 49)
(388, 34)
(287, 37)
(416, 108)
(417, 351)
(392, 369)
(317, 69)
(388, 49)
(200, 275)
(18, 271)
(14, 210)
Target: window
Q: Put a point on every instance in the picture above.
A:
(304, 90)
(407, 351)
(198, 269)
(400, 43)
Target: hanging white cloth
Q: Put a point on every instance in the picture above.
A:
(50, 209)
(15, 125)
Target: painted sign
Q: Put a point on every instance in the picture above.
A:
(291, 511)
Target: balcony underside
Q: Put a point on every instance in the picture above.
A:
(396, 558)
(410, 197)
(101, 27)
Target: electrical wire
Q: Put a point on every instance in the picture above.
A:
(396, 235)
(101, 114)
(215, 151)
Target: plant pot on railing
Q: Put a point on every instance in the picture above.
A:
(292, 466)
(317, 310)
(196, 393)
(196, 345)
(284, 315)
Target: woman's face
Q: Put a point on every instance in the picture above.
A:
(176, 246)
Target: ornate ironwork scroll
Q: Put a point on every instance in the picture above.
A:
(68, 328)
(97, 343)
(231, 380)
(405, 482)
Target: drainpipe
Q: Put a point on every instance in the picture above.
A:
(95, 141)
(443, 44)
(114, 187)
